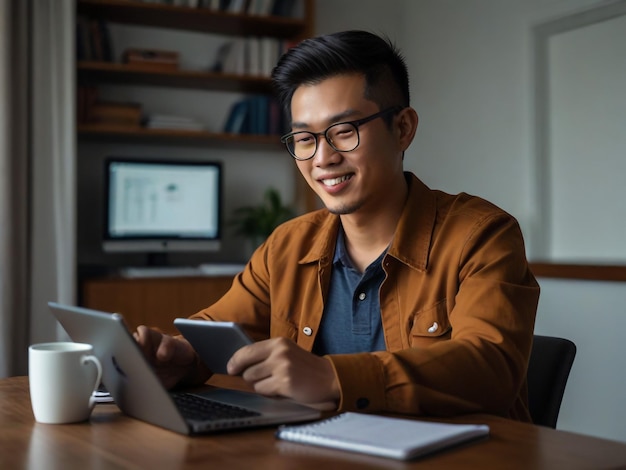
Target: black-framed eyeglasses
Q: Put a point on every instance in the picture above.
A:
(341, 136)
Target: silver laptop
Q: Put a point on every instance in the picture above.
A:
(138, 392)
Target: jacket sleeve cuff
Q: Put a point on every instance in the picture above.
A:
(361, 382)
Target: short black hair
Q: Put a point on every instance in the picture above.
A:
(360, 52)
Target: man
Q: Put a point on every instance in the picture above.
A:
(395, 298)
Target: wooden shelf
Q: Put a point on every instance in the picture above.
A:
(192, 19)
(98, 132)
(97, 72)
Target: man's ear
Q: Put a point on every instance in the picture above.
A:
(406, 126)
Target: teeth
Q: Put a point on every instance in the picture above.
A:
(335, 181)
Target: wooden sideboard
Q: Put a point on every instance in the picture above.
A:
(153, 301)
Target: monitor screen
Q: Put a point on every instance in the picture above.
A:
(157, 206)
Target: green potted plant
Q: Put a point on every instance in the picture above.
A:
(255, 223)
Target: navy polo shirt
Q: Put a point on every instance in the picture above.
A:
(351, 321)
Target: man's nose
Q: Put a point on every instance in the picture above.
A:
(326, 154)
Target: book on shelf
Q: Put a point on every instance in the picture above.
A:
(250, 55)
(253, 56)
(287, 8)
(91, 109)
(270, 51)
(109, 112)
(235, 57)
(93, 40)
(177, 3)
(230, 6)
(86, 97)
(152, 59)
(260, 7)
(284, 8)
(276, 121)
(257, 114)
(259, 117)
(236, 6)
(210, 4)
(236, 119)
(397, 438)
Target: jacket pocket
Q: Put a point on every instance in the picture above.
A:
(430, 325)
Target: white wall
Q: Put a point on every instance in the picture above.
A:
(585, 110)
(471, 65)
(372, 15)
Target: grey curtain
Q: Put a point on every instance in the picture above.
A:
(14, 187)
(37, 173)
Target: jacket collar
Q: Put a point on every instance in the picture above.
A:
(412, 239)
(322, 248)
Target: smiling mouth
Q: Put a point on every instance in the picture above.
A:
(335, 181)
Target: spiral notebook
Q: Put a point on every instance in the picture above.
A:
(383, 436)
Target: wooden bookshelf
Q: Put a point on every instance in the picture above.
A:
(204, 20)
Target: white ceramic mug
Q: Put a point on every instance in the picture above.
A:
(62, 377)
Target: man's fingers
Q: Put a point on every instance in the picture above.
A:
(173, 358)
(247, 356)
(144, 338)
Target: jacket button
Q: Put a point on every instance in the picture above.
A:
(307, 331)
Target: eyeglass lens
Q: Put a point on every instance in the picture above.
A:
(343, 137)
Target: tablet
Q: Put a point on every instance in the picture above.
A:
(215, 342)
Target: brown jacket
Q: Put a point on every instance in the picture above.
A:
(458, 306)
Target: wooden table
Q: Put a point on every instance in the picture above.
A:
(111, 440)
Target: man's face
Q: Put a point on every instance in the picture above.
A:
(347, 182)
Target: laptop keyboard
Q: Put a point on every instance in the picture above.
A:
(202, 409)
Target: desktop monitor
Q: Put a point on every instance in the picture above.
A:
(162, 206)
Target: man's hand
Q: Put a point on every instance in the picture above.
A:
(173, 359)
(279, 367)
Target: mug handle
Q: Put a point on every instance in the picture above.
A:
(96, 362)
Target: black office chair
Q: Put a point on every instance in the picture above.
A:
(550, 363)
